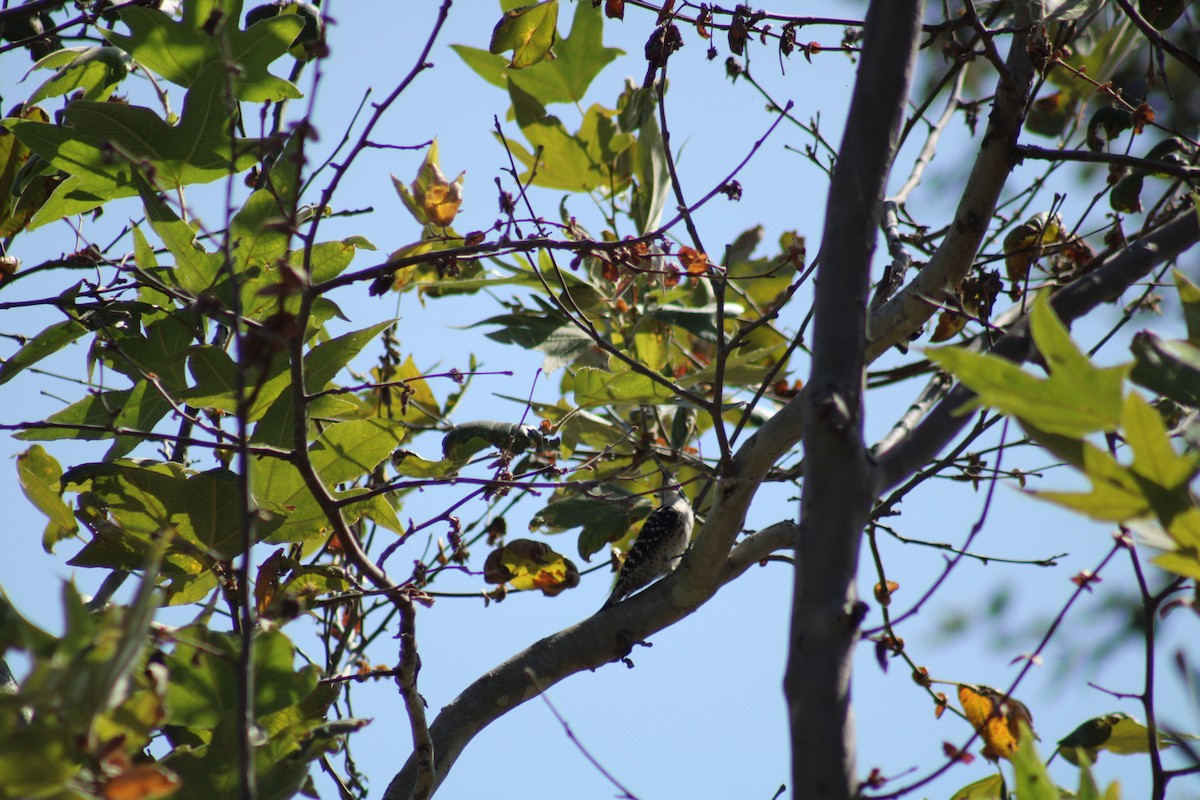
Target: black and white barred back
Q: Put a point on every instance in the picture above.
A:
(657, 550)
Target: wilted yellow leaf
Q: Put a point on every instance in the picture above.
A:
(996, 716)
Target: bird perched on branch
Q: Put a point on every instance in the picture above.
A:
(658, 549)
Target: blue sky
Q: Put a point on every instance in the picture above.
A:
(702, 713)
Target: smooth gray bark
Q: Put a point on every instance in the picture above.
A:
(838, 494)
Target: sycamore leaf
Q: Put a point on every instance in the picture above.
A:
(997, 717)
(104, 140)
(1117, 733)
(1076, 399)
(1189, 298)
(528, 32)
(410, 465)
(93, 71)
(559, 160)
(598, 387)
(989, 788)
(565, 79)
(1155, 484)
(38, 473)
(182, 50)
(526, 564)
(1033, 781)
(46, 343)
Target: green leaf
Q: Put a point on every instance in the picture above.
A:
(204, 687)
(93, 71)
(597, 387)
(203, 508)
(652, 344)
(1189, 298)
(1115, 496)
(1154, 459)
(258, 230)
(548, 331)
(603, 519)
(563, 161)
(143, 253)
(215, 375)
(350, 450)
(196, 270)
(1033, 781)
(989, 788)
(104, 140)
(1116, 732)
(410, 465)
(1076, 399)
(653, 187)
(321, 365)
(529, 32)
(580, 58)
(324, 361)
(182, 50)
(93, 411)
(343, 452)
(1088, 790)
(1154, 486)
(142, 410)
(48, 342)
(35, 760)
(38, 473)
(465, 440)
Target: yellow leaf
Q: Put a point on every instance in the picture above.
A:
(996, 716)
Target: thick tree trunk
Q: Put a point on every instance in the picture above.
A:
(837, 478)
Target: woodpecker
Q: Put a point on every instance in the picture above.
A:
(659, 547)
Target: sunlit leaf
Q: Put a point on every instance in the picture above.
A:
(1033, 781)
(1076, 399)
(565, 79)
(104, 141)
(528, 32)
(997, 717)
(38, 474)
(526, 564)
(46, 343)
(92, 71)
(989, 788)
(181, 50)
(597, 387)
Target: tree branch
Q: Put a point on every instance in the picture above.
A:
(1073, 301)
(590, 644)
(901, 316)
(1160, 41)
(837, 494)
